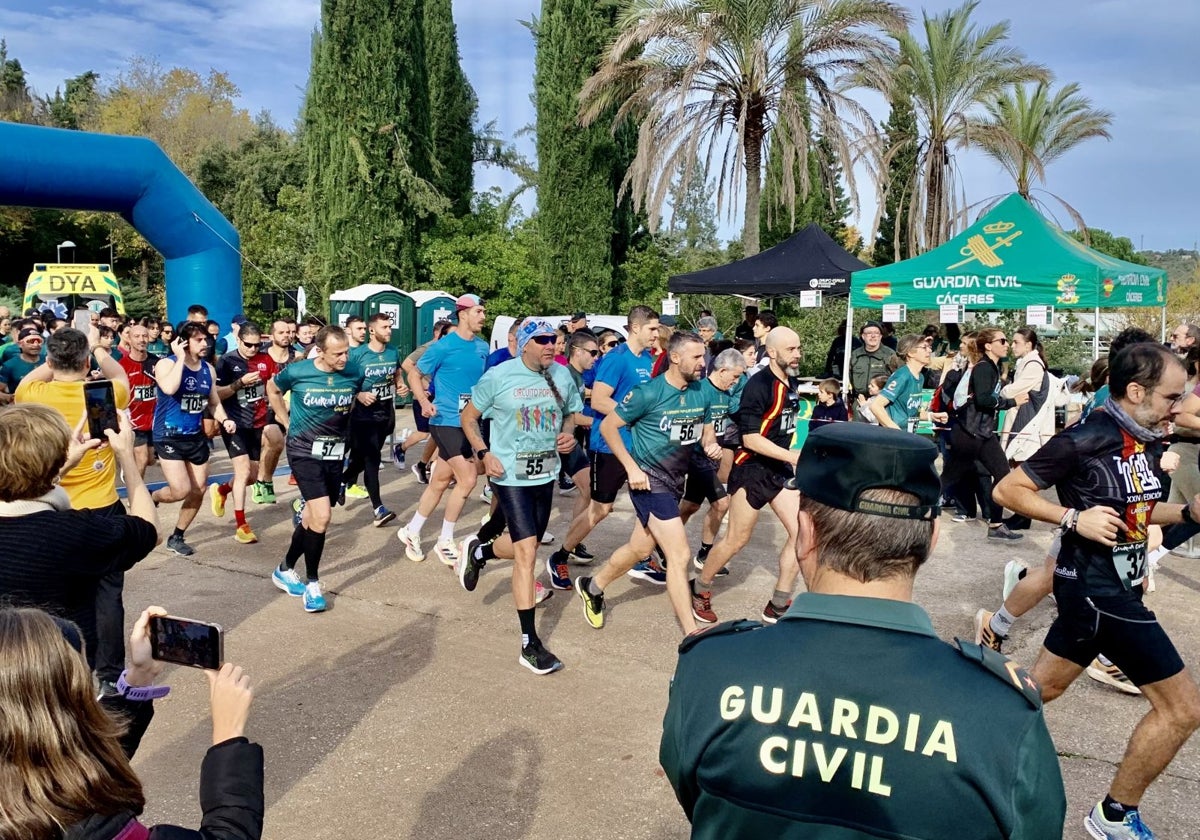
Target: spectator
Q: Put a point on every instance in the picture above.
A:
(829, 408)
(835, 359)
(746, 328)
(764, 322)
(706, 328)
(889, 336)
(5, 328)
(868, 361)
(68, 758)
(578, 322)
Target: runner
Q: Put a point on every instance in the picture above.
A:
(281, 353)
(1107, 476)
(621, 370)
(323, 391)
(530, 401)
(703, 479)
(374, 417)
(420, 436)
(667, 418)
(582, 352)
(356, 331)
(765, 461)
(451, 368)
(138, 365)
(242, 376)
(186, 387)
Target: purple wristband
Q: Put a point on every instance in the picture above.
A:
(140, 693)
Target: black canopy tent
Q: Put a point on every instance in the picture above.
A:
(808, 259)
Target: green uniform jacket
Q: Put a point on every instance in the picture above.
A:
(865, 365)
(851, 719)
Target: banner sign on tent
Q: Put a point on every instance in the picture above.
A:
(895, 313)
(951, 313)
(1039, 316)
(670, 306)
(810, 299)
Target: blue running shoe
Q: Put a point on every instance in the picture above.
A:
(649, 571)
(560, 575)
(288, 581)
(314, 601)
(1130, 828)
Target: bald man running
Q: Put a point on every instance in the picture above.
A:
(761, 468)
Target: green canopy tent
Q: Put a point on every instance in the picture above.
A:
(1011, 258)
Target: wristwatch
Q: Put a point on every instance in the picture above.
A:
(479, 453)
(140, 692)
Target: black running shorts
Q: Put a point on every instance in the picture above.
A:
(761, 483)
(608, 476)
(527, 508)
(1119, 626)
(243, 442)
(702, 484)
(141, 438)
(191, 448)
(451, 443)
(315, 478)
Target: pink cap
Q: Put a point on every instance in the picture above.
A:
(468, 301)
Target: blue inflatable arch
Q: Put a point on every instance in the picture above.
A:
(76, 170)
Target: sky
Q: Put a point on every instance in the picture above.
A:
(1137, 60)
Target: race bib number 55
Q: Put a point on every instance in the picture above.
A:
(537, 464)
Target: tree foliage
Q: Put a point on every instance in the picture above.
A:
(452, 107)
(893, 241)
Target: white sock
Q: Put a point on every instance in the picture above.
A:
(415, 525)
(1002, 622)
(1157, 554)
(448, 530)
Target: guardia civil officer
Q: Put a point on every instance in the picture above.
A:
(849, 717)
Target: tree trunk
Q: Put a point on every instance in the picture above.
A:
(935, 199)
(752, 149)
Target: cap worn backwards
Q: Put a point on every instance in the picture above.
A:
(468, 301)
(841, 460)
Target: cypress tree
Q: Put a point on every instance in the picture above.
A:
(901, 143)
(367, 139)
(452, 105)
(585, 233)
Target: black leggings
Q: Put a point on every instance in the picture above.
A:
(960, 470)
(366, 444)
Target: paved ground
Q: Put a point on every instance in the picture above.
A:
(402, 712)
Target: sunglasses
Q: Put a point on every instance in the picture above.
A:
(594, 353)
(544, 340)
(1001, 340)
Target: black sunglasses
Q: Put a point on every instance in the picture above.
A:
(594, 353)
(544, 340)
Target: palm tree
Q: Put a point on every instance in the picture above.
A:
(709, 80)
(957, 71)
(1025, 132)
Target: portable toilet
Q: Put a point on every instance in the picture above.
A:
(364, 301)
(431, 307)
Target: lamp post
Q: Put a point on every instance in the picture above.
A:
(67, 244)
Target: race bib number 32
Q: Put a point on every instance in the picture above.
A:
(1129, 559)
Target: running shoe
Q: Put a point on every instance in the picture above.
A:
(178, 546)
(383, 516)
(581, 555)
(297, 512)
(1002, 532)
(421, 471)
(288, 581)
(1111, 676)
(244, 535)
(560, 575)
(1014, 570)
(314, 601)
(566, 485)
(702, 609)
(468, 567)
(256, 493)
(540, 593)
(398, 456)
(267, 492)
(649, 571)
(486, 495)
(984, 634)
(547, 538)
(698, 562)
(539, 660)
(447, 552)
(216, 500)
(357, 491)
(412, 544)
(593, 605)
(1130, 828)
(962, 517)
(771, 615)
(292, 480)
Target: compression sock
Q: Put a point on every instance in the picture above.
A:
(416, 523)
(494, 527)
(779, 599)
(528, 633)
(1002, 622)
(314, 545)
(1115, 811)
(225, 489)
(295, 549)
(448, 530)
(485, 552)
(240, 517)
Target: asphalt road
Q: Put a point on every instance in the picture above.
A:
(402, 711)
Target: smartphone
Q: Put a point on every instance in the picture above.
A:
(82, 320)
(101, 408)
(185, 641)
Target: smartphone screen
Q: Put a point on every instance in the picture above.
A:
(101, 408)
(82, 320)
(185, 641)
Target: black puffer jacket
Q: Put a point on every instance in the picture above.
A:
(231, 789)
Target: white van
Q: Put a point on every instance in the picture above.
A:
(596, 323)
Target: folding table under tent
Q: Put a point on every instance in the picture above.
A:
(1011, 258)
(808, 259)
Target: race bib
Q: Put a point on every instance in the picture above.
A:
(685, 432)
(145, 393)
(251, 395)
(537, 464)
(463, 399)
(193, 403)
(385, 390)
(1129, 559)
(329, 448)
(787, 421)
(719, 424)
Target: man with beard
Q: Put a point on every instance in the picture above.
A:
(667, 418)
(139, 364)
(1109, 480)
(281, 353)
(764, 463)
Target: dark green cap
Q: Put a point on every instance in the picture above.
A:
(841, 460)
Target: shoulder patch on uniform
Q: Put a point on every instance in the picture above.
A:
(722, 629)
(1005, 669)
